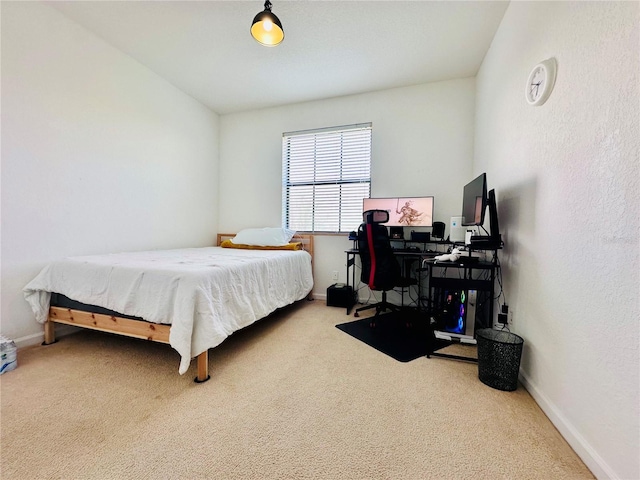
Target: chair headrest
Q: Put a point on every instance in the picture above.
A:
(375, 216)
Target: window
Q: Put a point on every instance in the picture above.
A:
(325, 175)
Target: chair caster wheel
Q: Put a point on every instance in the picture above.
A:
(356, 314)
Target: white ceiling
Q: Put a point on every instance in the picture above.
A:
(331, 48)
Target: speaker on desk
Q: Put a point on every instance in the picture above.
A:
(396, 233)
(438, 230)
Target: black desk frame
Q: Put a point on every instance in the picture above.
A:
(435, 281)
(465, 282)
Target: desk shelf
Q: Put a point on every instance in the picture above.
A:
(461, 283)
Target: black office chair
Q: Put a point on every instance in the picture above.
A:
(380, 268)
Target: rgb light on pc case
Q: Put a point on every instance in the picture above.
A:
(457, 312)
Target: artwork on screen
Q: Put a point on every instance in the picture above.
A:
(403, 212)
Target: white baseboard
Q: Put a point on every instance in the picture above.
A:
(587, 454)
(38, 338)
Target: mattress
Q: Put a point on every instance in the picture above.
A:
(62, 301)
(205, 294)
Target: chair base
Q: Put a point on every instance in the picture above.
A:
(380, 307)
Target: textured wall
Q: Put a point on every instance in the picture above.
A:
(567, 176)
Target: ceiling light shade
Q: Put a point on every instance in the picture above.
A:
(266, 27)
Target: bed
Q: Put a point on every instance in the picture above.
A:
(191, 299)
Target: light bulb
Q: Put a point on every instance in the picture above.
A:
(267, 25)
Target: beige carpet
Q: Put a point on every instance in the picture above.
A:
(290, 397)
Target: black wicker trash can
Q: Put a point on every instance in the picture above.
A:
(499, 354)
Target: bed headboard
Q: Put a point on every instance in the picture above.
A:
(304, 238)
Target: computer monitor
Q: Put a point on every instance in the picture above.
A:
(474, 201)
(495, 236)
(403, 211)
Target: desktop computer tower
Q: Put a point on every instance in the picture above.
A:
(456, 315)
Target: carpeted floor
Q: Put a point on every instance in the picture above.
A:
(291, 397)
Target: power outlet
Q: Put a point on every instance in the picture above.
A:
(335, 276)
(505, 317)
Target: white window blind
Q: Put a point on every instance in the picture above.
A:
(325, 175)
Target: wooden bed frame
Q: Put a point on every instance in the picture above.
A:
(154, 332)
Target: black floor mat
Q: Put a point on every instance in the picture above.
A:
(391, 335)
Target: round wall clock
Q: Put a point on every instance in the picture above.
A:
(540, 82)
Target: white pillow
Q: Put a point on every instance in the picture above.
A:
(264, 237)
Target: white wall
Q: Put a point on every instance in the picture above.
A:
(422, 144)
(99, 154)
(567, 179)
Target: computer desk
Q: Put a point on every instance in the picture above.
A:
(471, 275)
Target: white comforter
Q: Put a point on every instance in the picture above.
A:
(206, 294)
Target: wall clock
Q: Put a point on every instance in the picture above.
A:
(540, 82)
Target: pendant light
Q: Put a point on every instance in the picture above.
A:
(266, 27)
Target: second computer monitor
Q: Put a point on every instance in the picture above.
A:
(474, 201)
(404, 211)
